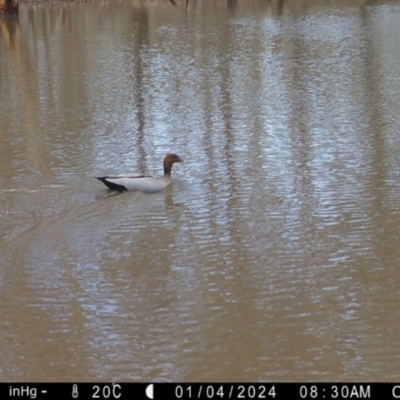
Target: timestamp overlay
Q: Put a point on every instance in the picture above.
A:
(188, 391)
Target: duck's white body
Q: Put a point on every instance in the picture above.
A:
(135, 181)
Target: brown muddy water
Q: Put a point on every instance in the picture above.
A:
(275, 253)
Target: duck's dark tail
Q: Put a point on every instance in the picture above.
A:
(111, 185)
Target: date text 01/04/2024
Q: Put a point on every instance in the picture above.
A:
(225, 391)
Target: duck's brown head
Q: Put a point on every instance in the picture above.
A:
(169, 160)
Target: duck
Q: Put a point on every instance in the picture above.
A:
(140, 182)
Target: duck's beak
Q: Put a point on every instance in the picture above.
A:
(179, 159)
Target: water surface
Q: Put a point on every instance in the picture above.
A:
(274, 255)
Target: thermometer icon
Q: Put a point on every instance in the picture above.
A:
(75, 391)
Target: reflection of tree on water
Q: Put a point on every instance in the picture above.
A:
(140, 21)
(9, 6)
(20, 61)
(9, 29)
(232, 5)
